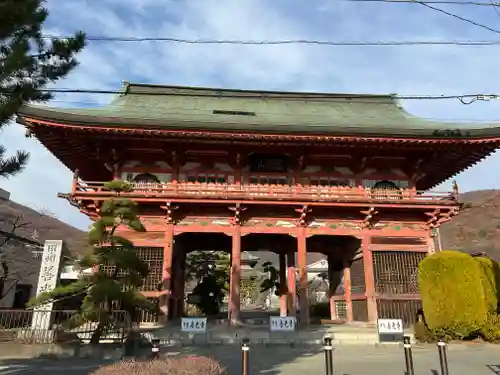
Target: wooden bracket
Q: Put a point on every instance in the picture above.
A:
(169, 212)
(304, 211)
(237, 210)
(369, 217)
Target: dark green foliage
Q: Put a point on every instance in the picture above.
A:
(211, 295)
(28, 63)
(452, 293)
(273, 279)
(320, 310)
(211, 270)
(104, 289)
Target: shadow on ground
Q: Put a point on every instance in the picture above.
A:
(263, 360)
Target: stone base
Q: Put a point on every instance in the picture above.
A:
(260, 335)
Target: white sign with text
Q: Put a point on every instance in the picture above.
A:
(194, 325)
(282, 323)
(47, 281)
(390, 326)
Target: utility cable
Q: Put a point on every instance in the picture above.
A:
(297, 95)
(453, 2)
(457, 16)
(98, 38)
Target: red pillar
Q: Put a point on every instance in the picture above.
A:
(292, 283)
(234, 282)
(371, 302)
(347, 293)
(303, 281)
(168, 247)
(332, 285)
(283, 288)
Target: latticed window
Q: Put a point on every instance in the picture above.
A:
(358, 284)
(153, 256)
(396, 272)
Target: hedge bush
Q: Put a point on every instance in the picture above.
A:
(491, 282)
(490, 331)
(453, 297)
(191, 365)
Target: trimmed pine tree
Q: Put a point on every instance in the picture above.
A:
(115, 284)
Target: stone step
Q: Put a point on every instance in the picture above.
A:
(266, 338)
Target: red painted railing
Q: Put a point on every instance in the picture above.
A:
(187, 190)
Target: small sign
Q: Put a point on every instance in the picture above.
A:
(390, 330)
(194, 325)
(282, 323)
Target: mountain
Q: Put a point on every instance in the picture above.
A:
(36, 227)
(477, 227)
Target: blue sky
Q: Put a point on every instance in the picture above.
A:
(432, 70)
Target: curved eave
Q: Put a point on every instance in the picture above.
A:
(30, 116)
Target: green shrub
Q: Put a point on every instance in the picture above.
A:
(191, 365)
(490, 331)
(491, 282)
(452, 294)
(320, 310)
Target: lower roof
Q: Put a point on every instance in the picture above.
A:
(142, 106)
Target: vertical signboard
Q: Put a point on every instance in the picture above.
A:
(47, 280)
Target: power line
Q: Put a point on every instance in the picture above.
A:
(457, 16)
(495, 8)
(465, 98)
(98, 38)
(454, 2)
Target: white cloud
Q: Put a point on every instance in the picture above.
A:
(405, 70)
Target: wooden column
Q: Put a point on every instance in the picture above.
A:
(168, 247)
(292, 283)
(371, 302)
(332, 285)
(303, 281)
(235, 277)
(283, 288)
(347, 293)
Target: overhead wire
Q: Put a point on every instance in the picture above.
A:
(464, 98)
(453, 2)
(457, 16)
(495, 8)
(97, 38)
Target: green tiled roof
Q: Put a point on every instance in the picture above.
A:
(171, 107)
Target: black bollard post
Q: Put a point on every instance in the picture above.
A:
(328, 355)
(408, 356)
(245, 357)
(155, 348)
(443, 358)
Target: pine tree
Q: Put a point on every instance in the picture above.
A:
(105, 289)
(28, 63)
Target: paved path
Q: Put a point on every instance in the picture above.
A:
(355, 360)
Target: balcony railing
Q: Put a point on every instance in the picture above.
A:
(299, 193)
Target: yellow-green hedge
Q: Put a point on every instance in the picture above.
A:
(490, 281)
(453, 297)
